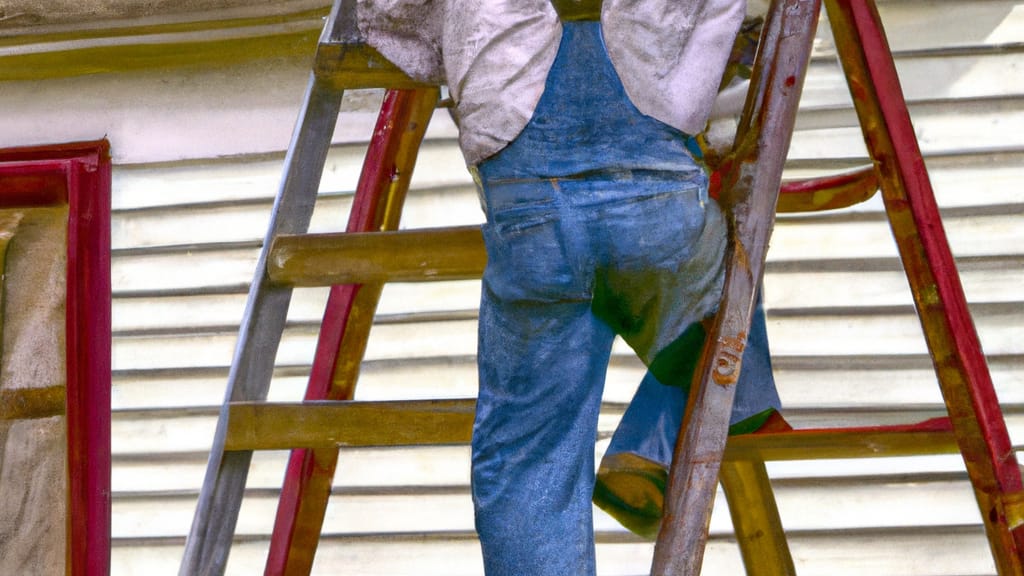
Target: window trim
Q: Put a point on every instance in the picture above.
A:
(79, 175)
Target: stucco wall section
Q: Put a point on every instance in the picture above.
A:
(33, 457)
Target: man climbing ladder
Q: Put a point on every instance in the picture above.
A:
(598, 223)
(562, 196)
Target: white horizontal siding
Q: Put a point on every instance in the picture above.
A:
(846, 343)
(839, 503)
(817, 333)
(890, 553)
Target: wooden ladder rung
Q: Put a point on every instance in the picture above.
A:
(359, 258)
(458, 253)
(828, 192)
(326, 424)
(929, 437)
(357, 66)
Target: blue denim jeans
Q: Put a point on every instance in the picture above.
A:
(598, 223)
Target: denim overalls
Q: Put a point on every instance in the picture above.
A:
(598, 223)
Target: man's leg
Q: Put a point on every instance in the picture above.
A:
(633, 473)
(651, 423)
(659, 304)
(541, 376)
(542, 358)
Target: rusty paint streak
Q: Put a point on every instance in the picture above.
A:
(729, 359)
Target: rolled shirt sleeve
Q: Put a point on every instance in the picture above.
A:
(497, 54)
(406, 32)
(670, 55)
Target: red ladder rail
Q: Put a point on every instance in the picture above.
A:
(942, 307)
(378, 202)
(976, 424)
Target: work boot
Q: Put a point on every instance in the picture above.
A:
(631, 488)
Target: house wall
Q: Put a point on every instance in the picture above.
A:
(198, 131)
(33, 450)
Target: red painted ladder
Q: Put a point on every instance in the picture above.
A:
(975, 426)
(329, 418)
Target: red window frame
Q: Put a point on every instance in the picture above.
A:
(78, 174)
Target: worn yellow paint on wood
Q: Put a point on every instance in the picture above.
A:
(359, 66)
(406, 256)
(264, 426)
(29, 403)
(276, 426)
(815, 444)
(1013, 505)
(755, 518)
(313, 17)
(458, 253)
(855, 188)
(8, 226)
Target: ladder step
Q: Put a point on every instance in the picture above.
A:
(357, 66)
(458, 253)
(927, 438)
(360, 258)
(327, 424)
(829, 192)
(324, 424)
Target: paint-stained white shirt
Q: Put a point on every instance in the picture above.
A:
(495, 55)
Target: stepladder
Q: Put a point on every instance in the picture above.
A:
(975, 426)
(359, 262)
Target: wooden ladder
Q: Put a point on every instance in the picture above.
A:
(370, 253)
(343, 61)
(975, 426)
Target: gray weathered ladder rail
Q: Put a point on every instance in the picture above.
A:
(213, 526)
